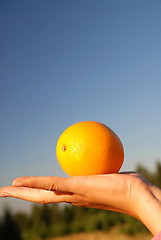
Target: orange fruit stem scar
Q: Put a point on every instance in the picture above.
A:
(63, 148)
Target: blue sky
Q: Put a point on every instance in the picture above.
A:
(68, 61)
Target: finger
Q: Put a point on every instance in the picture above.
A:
(47, 183)
(36, 195)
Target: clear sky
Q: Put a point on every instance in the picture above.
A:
(62, 62)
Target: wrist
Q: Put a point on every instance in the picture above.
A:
(149, 209)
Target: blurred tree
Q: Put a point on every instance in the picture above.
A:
(144, 172)
(68, 213)
(0, 228)
(9, 227)
(56, 211)
(22, 221)
(132, 226)
(36, 224)
(46, 215)
(158, 174)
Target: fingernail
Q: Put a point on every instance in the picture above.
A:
(17, 183)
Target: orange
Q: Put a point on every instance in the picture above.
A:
(89, 148)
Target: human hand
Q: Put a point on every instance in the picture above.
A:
(127, 192)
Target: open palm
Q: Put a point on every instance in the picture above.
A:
(126, 192)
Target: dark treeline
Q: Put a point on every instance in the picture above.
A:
(47, 221)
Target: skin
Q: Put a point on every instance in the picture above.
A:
(126, 192)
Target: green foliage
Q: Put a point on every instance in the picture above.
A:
(47, 221)
(132, 226)
(158, 175)
(9, 229)
(153, 177)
